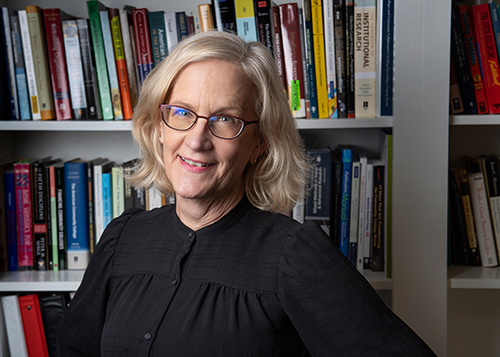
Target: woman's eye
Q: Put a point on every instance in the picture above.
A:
(223, 119)
(179, 112)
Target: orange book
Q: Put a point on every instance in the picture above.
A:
(206, 19)
(121, 65)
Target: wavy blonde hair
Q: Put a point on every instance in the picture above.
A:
(274, 183)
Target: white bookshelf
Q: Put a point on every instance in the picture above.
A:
(41, 281)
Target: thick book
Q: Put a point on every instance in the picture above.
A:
(368, 219)
(319, 58)
(309, 59)
(93, 7)
(317, 207)
(331, 76)
(77, 217)
(126, 32)
(482, 220)
(53, 308)
(340, 65)
(278, 46)
(34, 332)
(56, 56)
(89, 72)
(363, 163)
(377, 262)
(144, 54)
(264, 25)
(365, 58)
(290, 34)
(345, 206)
(107, 196)
(181, 20)
(246, 26)
(40, 62)
(14, 326)
(109, 51)
(225, 10)
(349, 59)
(483, 28)
(74, 64)
(354, 214)
(207, 22)
(117, 187)
(30, 67)
(158, 34)
(9, 57)
(9, 193)
(385, 57)
(171, 28)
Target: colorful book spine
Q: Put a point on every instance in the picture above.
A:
(495, 21)
(378, 213)
(117, 189)
(245, 20)
(159, 45)
(53, 217)
(349, 59)
(20, 69)
(345, 208)
(290, 32)
(488, 55)
(206, 18)
(126, 31)
(114, 86)
(22, 172)
(10, 219)
(386, 58)
(40, 232)
(278, 44)
(309, 60)
(182, 30)
(365, 58)
(331, 76)
(77, 218)
(75, 69)
(98, 200)
(319, 58)
(142, 43)
(107, 198)
(7, 40)
(368, 220)
(264, 25)
(89, 74)
(94, 7)
(56, 55)
(354, 214)
(30, 68)
(34, 333)
(61, 216)
(340, 64)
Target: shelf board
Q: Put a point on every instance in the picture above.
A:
(378, 280)
(382, 122)
(474, 119)
(37, 281)
(467, 277)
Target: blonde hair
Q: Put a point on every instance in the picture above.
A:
(274, 183)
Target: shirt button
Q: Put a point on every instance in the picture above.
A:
(174, 282)
(190, 235)
(147, 336)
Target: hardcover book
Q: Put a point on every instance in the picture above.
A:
(340, 64)
(264, 25)
(363, 163)
(225, 10)
(206, 18)
(9, 192)
(319, 58)
(331, 76)
(309, 60)
(377, 250)
(159, 45)
(278, 46)
(34, 332)
(354, 214)
(125, 26)
(386, 57)
(61, 215)
(117, 189)
(368, 219)
(245, 20)
(14, 326)
(171, 28)
(182, 30)
(9, 56)
(144, 55)
(345, 207)
(317, 206)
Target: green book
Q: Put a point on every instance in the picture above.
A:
(100, 58)
(158, 36)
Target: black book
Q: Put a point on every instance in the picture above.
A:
(52, 309)
(349, 57)
(227, 14)
(340, 62)
(61, 223)
(264, 25)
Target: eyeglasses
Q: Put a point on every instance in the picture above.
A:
(221, 126)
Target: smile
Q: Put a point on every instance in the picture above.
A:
(194, 163)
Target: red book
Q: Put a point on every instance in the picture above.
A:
(278, 48)
(470, 43)
(22, 176)
(33, 325)
(57, 62)
(483, 30)
(142, 43)
(290, 35)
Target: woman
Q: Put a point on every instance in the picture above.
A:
(221, 272)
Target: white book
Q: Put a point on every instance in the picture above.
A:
(218, 18)
(4, 341)
(482, 220)
(367, 241)
(331, 76)
(14, 326)
(154, 198)
(354, 216)
(171, 28)
(10, 60)
(118, 191)
(363, 161)
(30, 67)
(196, 18)
(298, 212)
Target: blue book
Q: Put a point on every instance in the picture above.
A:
(387, 58)
(9, 61)
(345, 207)
(77, 215)
(10, 218)
(182, 29)
(107, 199)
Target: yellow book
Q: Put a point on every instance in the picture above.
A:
(206, 19)
(319, 58)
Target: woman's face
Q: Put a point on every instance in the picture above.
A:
(199, 165)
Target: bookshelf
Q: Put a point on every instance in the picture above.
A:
(420, 131)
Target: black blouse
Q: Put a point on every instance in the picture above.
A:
(254, 283)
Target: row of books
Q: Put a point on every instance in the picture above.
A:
(29, 324)
(55, 211)
(474, 212)
(349, 196)
(474, 65)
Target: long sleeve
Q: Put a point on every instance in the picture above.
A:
(333, 307)
(80, 332)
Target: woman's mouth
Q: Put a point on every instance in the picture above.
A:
(194, 163)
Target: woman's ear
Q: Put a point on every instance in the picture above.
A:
(259, 149)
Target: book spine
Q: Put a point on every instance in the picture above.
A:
(24, 221)
(10, 219)
(368, 221)
(206, 18)
(14, 326)
(91, 206)
(377, 259)
(309, 51)
(50, 261)
(182, 29)
(20, 70)
(459, 252)
(354, 214)
(56, 57)
(53, 218)
(264, 26)
(7, 37)
(158, 37)
(129, 56)
(77, 218)
(336, 198)
(456, 104)
(98, 203)
(142, 43)
(340, 64)
(488, 55)
(386, 57)
(107, 200)
(349, 51)
(495, 22)
(345, 208)
(227, 14)
(331, 76)
(29, 307)
(245, 20)
(171, 28)
(40, 234)
(216, 13)
(486, 240)
(278, 46)
(75, 69)
(318, 202)
(491, 176)
(88, 67)
(290, 34)
(117, 190)
(61, 217)
(363, 162)
(319, 58)
(365, 58)
(100, 60)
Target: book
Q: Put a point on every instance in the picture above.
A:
(317, 206)
(98, 198)
(340, 64)
(171, 28)
(76, 211)
(319, 58)
(181, 20)
(30, 67)
(9, 56)
(290, 32)
(483, 28)
(9, 218)
(107, 195)
(159, 44)
(92, 201)
(368, 216)
(309, 60)
(264, 26)
(345, 208)
(206, 18)
(4, 341)
(482, 220)
(349, 57)
(94, 111)
(153, 198)
(5, 97)
(144, 54)
(93, 7)
(74, 64)
(56, 57)
(354, 214)
(224, 9)
(61, 215)
(365, 58)
(278, 46)
(109, 51)
(363, 162)
(217, 15)
(377, 262)
(246, 26)
(458, 250)
(456, 104)
(14, 326)
(34, 332)
(52, 309)
(40, 62)
(385, 57)
(117, 189)
(331, 76)
(125, 26)
(336, 196)
(386, 150)
(52, 221)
